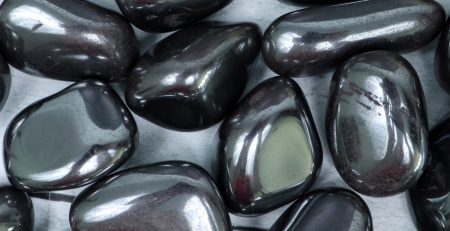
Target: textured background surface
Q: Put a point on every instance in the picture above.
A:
(158, 144)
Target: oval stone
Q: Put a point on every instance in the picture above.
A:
(320, 2)
(319, 210)
(5, 81)
(443, 58)
(168, 15)
(376, 123)
(269, 147)
(313, 39)
(166, 196)
(193, 78)
(16, 210)
(430, 197)
(66, 40)
(69, 139)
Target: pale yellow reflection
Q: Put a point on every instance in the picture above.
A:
(286, 157)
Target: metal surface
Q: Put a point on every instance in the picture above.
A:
(158, 144)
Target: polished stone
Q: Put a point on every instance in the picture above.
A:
(16, 210)
(168, 15)
(5, 81)
(66, 40)
(69, 139)
(193, 78)
(430, 197)
(165, 196)
(319, 2)
(315, 39)
(376, 123)
(326, 209)
(269, 147)
(443, 58)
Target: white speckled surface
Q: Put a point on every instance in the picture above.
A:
(158, 144)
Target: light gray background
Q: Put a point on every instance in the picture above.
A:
(158, 144)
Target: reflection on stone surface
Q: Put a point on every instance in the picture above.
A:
(376, 123)
(160, 197)
(5, 81)
(193, 78)
(16, 210)
(320, 37)
(66, 40)
(326, 209)
(443, 58)
(164, 16)
(69, 139)
(270, 150)
(430, 197)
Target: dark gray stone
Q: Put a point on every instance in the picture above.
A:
(69, 139)
(376, 123)
(270, 149)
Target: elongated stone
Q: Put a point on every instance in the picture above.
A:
(270, 149)
(69, 139)
(443, 58)
(168, 15)
(5, 81)
(166, 196)
(376, 123)
(430, 197)
(16, 210)
(193, 78)
(321, 2)
(321, 37)
(325, 209)
(66, 40)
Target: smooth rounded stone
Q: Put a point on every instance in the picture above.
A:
(443, 58)
(69, 139)
(165, 196)
(326, 209)
(168, 15)
(193, 78)
(16, 210)
(430, 197)
(319, 2)
(5, 81)
(66, 40)
(376, 123)
(315, 39)
(269, 147)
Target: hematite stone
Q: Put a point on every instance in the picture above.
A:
(376, 123)
(326, 209)
(168, 15)
(16, 210)
(69, 139)
(443, 58)
(5, 81)
(320, 37)
(193, 78)
(270, 149)
(166, 196)
(431, 195)
(67, 40)
(320, 2)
